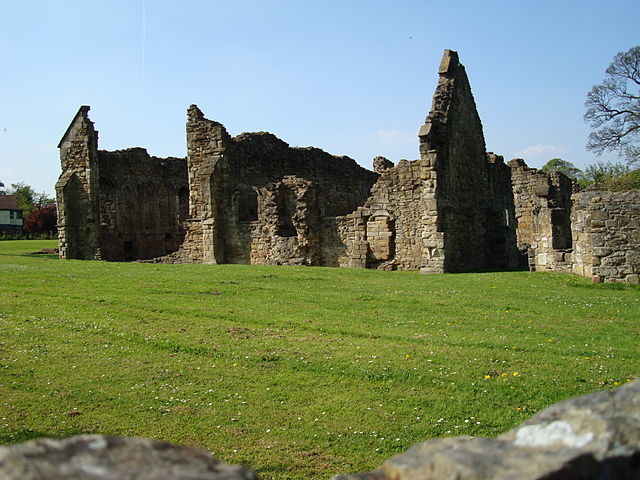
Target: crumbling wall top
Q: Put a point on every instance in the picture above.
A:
(449, 62)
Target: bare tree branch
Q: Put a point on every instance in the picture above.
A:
(613, 108)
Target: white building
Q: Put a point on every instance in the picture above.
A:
(10, 215)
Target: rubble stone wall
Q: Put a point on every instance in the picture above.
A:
(77, 190)
(543, 212)
(121, 205)
(606, 236)
(143, 201)
(259, 201)
(467, 193)
(253, 199)
(391, 221)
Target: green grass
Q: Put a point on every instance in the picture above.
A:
(297, 372)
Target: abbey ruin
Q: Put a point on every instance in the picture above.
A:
(253, 199)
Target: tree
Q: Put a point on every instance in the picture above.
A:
(28, 199)
(559, 165)
(601, 172)
(41, 221)
(2, 190)
(613, 108)
(25, 196)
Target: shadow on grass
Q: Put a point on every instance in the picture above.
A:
(25, 434)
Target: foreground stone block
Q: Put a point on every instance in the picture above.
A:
(97, 457)
(595, 436)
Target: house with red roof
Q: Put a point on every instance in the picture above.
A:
(10, 215)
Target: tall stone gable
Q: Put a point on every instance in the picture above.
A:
(76, 189)
(469, 206)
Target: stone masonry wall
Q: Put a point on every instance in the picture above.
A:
(385, 232)
(287, 231)
(143, 201)
(77, 190)
(121, 205)
(501, 223)
(543, 210)
(606, 236)
(393, 217)
(471, 228)
(253, 199)
(206, 147)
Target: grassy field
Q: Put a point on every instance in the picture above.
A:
(297, 372)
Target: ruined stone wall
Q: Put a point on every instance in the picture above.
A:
(288, 230)
(143, 201)
(122, 205)
(471, 227)
(393, 217)
(206, 145)
(253, 199)
(543, 210)
(256, 200)
(606, 236)
(385, 232)
(77, 190)
(501, 220)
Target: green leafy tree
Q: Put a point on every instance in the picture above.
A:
(28, 199)
(613, 108)
(559, 165)
(2, 189)
(601, 172)
(24, 197)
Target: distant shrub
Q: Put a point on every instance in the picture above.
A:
(628, 181)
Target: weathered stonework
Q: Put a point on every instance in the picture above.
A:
(542, 208)
(606, 232)
(253, 199)
(122, 205)
(468, 214)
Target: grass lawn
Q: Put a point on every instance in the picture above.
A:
(298, 372)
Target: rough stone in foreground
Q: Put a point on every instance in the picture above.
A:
(97, 457)
(595, 436)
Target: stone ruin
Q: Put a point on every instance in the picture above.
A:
(253, 199)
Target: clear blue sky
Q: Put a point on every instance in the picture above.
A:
(352, 77)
